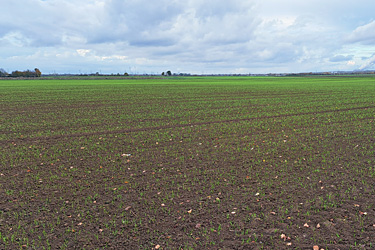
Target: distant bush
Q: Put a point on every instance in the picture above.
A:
(169, 73)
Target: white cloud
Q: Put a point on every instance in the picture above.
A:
(83, 52)
(364, 34)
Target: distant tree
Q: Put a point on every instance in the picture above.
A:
(126, 74)
(3, 73)
(169, 73)
(37, 72)
(163, 74)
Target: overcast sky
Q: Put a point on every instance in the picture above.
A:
(195, 36)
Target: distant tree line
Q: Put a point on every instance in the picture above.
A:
(17, 73)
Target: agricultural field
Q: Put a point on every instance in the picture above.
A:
(188, 163)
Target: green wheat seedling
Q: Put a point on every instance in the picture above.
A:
(192, 163)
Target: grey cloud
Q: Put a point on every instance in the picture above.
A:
(341, 58)
(5, 29)
(134, 21)
(151, 43)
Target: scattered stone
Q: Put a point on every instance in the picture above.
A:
(283, 237)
